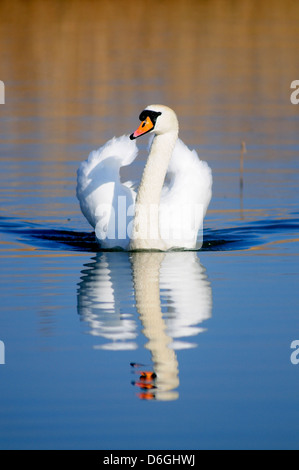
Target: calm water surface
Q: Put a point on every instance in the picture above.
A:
(112, 350)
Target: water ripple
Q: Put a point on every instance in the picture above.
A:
(243, 236)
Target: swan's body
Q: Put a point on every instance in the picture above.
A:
(165, 213)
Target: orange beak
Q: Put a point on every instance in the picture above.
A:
(145, 126)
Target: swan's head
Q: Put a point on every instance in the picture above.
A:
(158, 119)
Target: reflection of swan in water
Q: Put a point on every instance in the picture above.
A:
(159, 285)
(173, 296)
(105, 296)
(186, 296)
(147, 293)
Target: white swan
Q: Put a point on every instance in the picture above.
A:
(166, 213)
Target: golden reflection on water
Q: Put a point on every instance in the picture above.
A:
(77, 73)
(62, 61)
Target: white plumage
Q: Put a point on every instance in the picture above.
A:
(175, 184)
(99, 189)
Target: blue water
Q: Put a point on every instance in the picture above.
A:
(118, 350)
(76, 341)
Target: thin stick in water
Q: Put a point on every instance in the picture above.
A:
(242, 153)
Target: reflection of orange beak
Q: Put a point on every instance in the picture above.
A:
(145, 385)
(145, 375)
(146, 396)
(146, 380)
(145, 126)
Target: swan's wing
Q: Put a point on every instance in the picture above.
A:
(100, 191)
(132, 184)
(185, 197)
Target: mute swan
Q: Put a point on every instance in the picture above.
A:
(173, 196)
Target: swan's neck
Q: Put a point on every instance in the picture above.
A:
(155, 169)
(146, 233)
